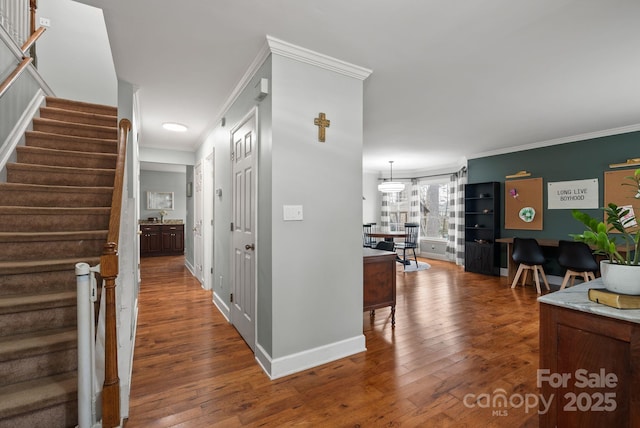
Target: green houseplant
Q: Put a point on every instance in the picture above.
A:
(599, 236)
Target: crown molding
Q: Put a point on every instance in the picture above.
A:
(280, 47)
(557, 141)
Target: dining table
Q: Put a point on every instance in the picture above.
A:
(391, 236)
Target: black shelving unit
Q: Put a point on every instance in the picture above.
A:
(482, 228)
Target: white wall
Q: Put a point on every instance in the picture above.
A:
(372, 198)
(74, 55)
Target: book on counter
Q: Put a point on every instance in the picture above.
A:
(615, 300)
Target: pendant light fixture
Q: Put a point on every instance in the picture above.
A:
(391, 186)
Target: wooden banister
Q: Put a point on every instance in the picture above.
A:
(32, 39)
(14, 75)
(109, 273)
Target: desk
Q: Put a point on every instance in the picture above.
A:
(379, 281)
(512, 267)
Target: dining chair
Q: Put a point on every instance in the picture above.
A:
(576, 257)
(368, 241)
(410, 241)
(385, 245)
(528, 254)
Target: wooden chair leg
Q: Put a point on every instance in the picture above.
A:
(518, 273)
(565, 280)
(537, 280)
(544, 277)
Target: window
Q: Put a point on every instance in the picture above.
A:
(399, 209)
(434, 201)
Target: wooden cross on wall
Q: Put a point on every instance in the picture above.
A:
(321, 122)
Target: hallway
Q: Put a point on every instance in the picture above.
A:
(457, 333)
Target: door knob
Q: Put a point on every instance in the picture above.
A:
(249, 247)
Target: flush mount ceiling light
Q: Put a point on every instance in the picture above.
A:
(175, 127)
(391, 186)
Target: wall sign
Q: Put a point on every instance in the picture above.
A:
(576, 194)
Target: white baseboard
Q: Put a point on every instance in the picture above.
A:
(551, 279)
(190, 267)
(284, 366)
(221, 305)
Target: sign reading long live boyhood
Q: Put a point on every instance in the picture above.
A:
(575, 194)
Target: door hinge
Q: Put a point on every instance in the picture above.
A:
(231, 298)
(233, 155)
(232, 226)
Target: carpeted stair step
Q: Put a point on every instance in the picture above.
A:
(42, 156)
(41, 245)
(40, 276)
(39, 402)
(70, 143)
(74, 129)
(84, 118)
(59, 175)
(36, 355)
(37, 313)
(39, 195)
(65, 104)
(51, 219)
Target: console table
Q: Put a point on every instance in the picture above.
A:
(589, 361)
(379, 281)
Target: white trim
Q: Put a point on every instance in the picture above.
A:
(557, 141)
(284, 366)
(221, 305)
(280, 47)
(21, 126)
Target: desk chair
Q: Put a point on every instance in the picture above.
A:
(577, 258)
(410, 242)
(528, 254)
(368, 241)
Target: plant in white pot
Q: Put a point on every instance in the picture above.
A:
(621, 270)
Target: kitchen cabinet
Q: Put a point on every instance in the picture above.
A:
(161, 239)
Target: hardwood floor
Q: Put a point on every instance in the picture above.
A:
(456, 334)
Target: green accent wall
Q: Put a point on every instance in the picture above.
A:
(563, 162)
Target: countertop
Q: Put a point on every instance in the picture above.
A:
(576, 298)
(166, 221)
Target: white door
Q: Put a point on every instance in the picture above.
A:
(198, 247)
(243, 263)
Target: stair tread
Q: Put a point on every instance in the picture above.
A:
(55, 188)
(58, 152)
(24, 396)
(11, 267)
(45, 120)
(51, 210)
(77, 112)
(73, 103)
(72, 137)
(54, 168)
(51, 236)
(27, 344)
(17, 303)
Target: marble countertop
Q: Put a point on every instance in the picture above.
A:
(166, 221)
(576, 298)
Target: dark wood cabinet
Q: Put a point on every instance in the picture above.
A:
(482, 227)
(590, 367)
(161, 239)
(379, 280)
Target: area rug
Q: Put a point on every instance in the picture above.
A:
(412, 267)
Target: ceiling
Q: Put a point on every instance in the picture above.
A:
(451, 80)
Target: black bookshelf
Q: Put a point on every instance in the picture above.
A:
(482, 228)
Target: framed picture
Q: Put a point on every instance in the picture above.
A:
(159, 200)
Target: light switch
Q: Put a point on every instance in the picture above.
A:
(292, 212)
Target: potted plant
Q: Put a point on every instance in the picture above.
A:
(621, 270)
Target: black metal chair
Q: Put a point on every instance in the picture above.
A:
(410, 242)
(385, 245)
(577, 258)
(368, 241)
(528, 254)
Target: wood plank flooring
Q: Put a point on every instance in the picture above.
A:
(456, 334)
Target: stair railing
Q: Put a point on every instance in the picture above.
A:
(109, 272)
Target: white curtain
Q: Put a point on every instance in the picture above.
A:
(414, 201)
(384, 213)
(455, 245)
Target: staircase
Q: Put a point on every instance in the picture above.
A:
(54, 213)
